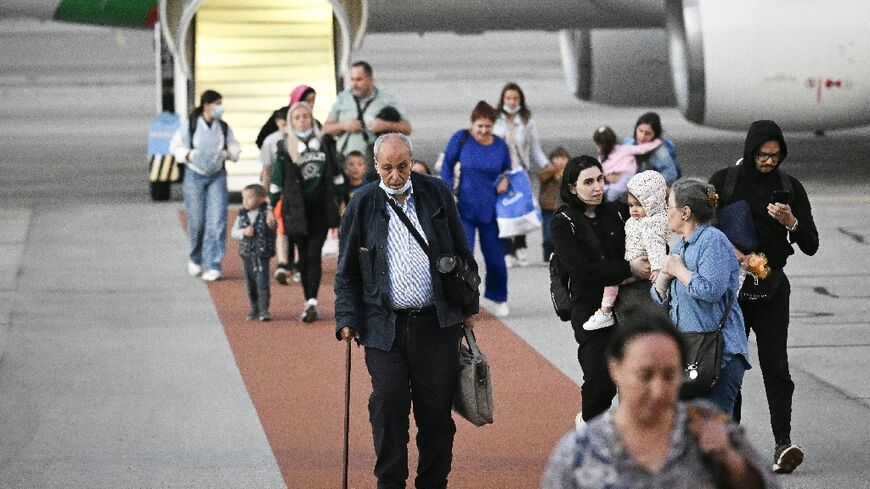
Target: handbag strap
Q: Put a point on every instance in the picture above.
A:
(727, 311)
(407, 222)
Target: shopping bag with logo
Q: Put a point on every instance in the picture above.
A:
(516, 211)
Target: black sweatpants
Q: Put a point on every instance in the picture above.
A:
(310, 263)
(770, 322)
(421, 368)
(598, 389)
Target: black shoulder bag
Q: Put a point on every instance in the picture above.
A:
(460, 282)
(704, 358)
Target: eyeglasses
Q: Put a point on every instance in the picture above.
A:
(762, 156)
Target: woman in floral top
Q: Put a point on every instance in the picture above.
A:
(650, 440)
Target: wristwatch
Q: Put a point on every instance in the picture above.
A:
(793, 227)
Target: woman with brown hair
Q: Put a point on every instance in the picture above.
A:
(485, 160)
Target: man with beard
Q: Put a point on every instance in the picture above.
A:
(781, 217)
(354, 118)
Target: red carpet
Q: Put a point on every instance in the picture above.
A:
(294, 373)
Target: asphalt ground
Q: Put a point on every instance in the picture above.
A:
(119, 370)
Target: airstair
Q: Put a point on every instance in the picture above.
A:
(254, 53)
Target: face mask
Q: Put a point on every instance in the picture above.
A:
(304, 134)
(392, 191)
(509, 110)
(217, 111)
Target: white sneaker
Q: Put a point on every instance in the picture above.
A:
(523, 257)
(193, 269)
(599, 320)
(211, 275)
(510, 261)
(499, 309)
(579, 423)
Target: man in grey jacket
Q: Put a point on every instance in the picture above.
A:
(390, 297)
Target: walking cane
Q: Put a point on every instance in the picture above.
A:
(346, 414)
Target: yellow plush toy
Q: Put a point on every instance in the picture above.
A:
(757, 266)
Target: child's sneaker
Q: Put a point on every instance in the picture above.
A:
(297, 277)
(282, 275)
(523, 257)
(599, 320)
(251, 315)
(265, 316)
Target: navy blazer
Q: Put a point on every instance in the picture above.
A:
(362, 287)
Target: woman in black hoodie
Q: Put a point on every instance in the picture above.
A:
(589, 238)
(780, 221)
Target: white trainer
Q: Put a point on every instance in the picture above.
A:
(500, 309)
(193, 269)
(510, 261)
(599, 320)
(211, 275)
(523, 257)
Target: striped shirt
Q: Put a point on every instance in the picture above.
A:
(409, 272)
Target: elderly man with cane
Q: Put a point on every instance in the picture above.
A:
(389, 296)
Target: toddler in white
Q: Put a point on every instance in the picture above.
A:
(646, 235)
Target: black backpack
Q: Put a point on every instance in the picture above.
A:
(560, 283)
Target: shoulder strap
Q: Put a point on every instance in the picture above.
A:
(225, 128)
(407, 222)
(594, 242)
(191, 127)
(730, 183)
(727, 311)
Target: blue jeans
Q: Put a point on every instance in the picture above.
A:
(257, 282)
(493, 255)
(205, 200)
(546, 217)
(726, 389)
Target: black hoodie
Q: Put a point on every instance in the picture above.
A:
(756, 188)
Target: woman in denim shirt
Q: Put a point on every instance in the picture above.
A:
(698, 280)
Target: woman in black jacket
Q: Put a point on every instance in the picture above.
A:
(589, 237)
(308, 177)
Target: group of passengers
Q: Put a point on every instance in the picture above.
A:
(629, 231)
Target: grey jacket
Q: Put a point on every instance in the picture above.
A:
(362, 287)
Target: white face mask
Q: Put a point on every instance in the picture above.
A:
(304, 134)
(399, 191)
(510, 110)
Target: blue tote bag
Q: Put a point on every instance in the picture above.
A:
(516, 211)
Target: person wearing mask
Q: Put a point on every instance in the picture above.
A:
(354, 120)
(782, 218)
(204, 144)
(520, 132)
(310, 183)
(390, 297)
(589, 238)
(651, 439)
(485, 160)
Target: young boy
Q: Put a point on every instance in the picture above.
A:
(646, 234)
(256, 247)
(551, 178)
(355, 171)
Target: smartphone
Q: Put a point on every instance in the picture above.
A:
(781, 197)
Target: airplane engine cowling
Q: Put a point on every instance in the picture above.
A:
(801, 63)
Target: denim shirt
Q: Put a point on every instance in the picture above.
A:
(715, 277)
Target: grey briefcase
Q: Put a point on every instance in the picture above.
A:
(473, 398)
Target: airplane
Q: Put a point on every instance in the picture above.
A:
(803, 63)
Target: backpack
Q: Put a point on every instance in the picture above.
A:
(560, 283)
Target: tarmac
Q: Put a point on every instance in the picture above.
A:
(117, 369)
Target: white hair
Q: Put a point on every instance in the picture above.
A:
(393, 135)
